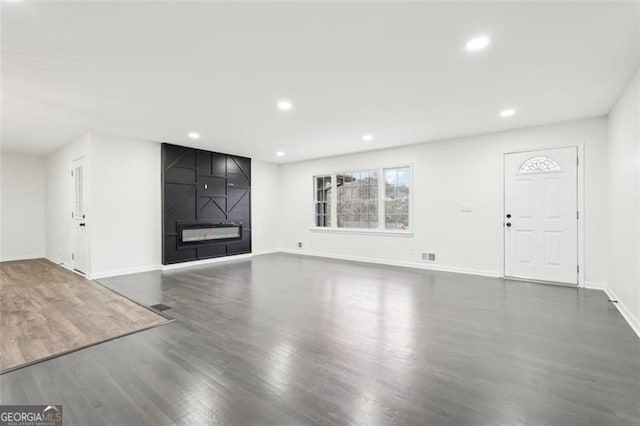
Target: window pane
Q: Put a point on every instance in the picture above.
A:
(373, 192)
(328, 201)
(403, 176)
(357, 199)
(402, 191)
(390, 176)
(402, 207)
(397, 184)
(322, 194)
(390, 191)
(373, 178)
(389, 208)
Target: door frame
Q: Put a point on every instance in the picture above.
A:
(579, 191)
(86, 195)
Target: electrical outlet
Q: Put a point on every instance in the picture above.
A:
(299, 244)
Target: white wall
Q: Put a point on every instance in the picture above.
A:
(126, 233)
(125, 224)
(59, 197)
(22, 201)
(124, 213)
(265, 207)
(124, 216)
(624, 201)
(447, 175)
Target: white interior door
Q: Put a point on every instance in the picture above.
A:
(541, 215)
(78, 217)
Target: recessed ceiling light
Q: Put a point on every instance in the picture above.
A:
(194, 135)
(507, 112)
(478, 43)
(367, 138)
(280, 153)
(285, 105)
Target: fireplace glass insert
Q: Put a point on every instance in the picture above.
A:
(206, 233)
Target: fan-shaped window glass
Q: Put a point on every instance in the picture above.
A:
(539, 165)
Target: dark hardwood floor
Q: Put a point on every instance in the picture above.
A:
(282, 339)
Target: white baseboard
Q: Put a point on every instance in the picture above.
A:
(25, 257)
(59, 263)
(261, 252)
(428, 266)
(624, 311)
(595, 286)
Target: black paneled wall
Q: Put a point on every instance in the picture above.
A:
(203, 187)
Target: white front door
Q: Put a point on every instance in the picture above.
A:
(541, 215)
(78, 217)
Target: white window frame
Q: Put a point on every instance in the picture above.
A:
(381, 203)
(315, 201)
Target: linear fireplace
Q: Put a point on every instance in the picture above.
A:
(198, 233)
(206, 204)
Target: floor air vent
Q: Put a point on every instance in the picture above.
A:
(160, 307)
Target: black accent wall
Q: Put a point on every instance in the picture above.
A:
(204, 187)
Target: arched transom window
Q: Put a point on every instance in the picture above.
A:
(539, 165)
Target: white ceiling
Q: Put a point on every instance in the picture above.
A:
(398, 71)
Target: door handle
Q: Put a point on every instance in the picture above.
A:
(508, 215)
(83, 224)
(508, 224)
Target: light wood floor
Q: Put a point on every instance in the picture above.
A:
(47, 310)
(284, 340)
